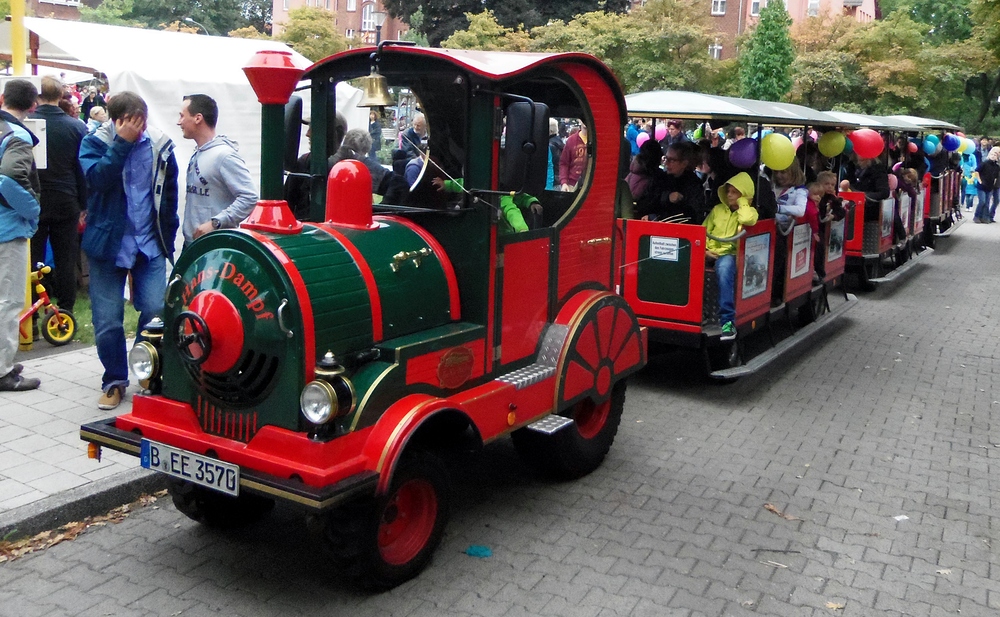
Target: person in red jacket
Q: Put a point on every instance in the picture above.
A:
(573, 160)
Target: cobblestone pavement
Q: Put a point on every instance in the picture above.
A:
(877, 444)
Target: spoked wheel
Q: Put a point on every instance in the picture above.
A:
(217, 509)
(383, 542)
(58, 328)
(580, 448)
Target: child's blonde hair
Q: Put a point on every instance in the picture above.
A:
(815, 187)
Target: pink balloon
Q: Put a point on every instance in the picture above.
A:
(813, 135)
(641, 138)
(796, 142)
(897, 166)
(893, 182)
(661, 132)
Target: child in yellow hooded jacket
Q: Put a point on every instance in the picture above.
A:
(725, 220)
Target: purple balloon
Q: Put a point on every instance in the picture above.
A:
(951, 142)
(743, 153)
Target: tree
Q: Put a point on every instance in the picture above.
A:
(257, 14)
(949, 21)
(985, 85)
(110, 12)
(248, 33)
(219, 16)
(486, 34)
(766, 59)
(312, 32)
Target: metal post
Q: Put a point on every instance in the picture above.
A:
(272, 132)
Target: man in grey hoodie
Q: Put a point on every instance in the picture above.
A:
(220, 191)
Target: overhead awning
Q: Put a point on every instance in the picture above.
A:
(696, 106)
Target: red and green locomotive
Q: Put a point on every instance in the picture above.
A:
(335, 364)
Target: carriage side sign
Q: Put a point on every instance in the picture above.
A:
(664, 249)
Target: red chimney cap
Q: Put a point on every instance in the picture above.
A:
(273, 76)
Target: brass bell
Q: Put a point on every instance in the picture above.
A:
(376, 91)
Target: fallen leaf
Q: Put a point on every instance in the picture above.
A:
(788, 517)
(835, 606)
(945, 571)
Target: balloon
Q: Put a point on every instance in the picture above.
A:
(934, 139)
(743, 153)
(897, 166)
(776, 151)
(867, 143)
(813, 136)
(661, 132)
(893, 182)
(796, 142)
(831, 144)
(912, 148)
(641, 138)
(970, 145)
(848, 146)
(699, 133)
(951, 142)
(960, 133)
(929, 146)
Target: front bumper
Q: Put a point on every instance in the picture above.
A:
(105, 433)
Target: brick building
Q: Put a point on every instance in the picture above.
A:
(354, 18)
(733, 17)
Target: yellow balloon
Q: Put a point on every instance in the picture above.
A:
(831, 144)
(777, 152)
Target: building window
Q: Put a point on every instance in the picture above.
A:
(349, 33)
(64, 2)
(368, 18)
(812, 9)
(754, 8)
(718, 7)
(328, 5)
(352, 5)
(284, 5)
(715, 51)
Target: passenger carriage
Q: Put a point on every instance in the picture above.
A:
(663, 274)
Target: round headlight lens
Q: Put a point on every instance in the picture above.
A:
(144, 360)
(318, 402)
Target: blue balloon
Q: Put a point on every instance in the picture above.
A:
(951, 142)
(848, 146)
(934, 139)
(929, 146)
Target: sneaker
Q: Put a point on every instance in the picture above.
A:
(17, 368)
(111, 398)
(14, 382)
(728, 331)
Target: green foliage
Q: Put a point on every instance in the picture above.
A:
(949, 21)
(219, 16)
(442, 18)
(313, 33)
(248, 33)
(766, 59)
(415, 34)
(663, 45)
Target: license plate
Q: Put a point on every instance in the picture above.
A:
(195, 468)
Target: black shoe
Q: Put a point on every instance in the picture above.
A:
(14, 382)
(17, 368)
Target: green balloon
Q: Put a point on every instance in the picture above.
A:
(777, 151)
(831, 144)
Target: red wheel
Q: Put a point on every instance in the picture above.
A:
(382, 542)
(604, 346)
(591, 417)
(407, 521)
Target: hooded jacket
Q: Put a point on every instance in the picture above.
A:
(18, 163)
(724, 222)
(102, 158)
(219, 186)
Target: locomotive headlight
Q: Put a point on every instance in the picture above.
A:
(144, 361)
(318, 401)
(327, 398)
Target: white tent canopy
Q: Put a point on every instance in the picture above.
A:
(163, 66)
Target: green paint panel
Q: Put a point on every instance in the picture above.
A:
(413, 297)
(661, 280)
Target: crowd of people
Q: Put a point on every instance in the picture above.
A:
(118, 181)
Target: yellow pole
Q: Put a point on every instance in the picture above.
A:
(18, 47)
(27, 332)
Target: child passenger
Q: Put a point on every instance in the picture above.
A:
(724, 221)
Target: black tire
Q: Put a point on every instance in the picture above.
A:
(216, 509)
(929, 229)
(59, 330)
(576, 450)
(380, 543)
(725, 355)
(812, 309)
(864, 280)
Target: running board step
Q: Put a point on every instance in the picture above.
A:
(802, 335)
(903, 269)
(947, 232)
(550, 424)
(527, 376)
